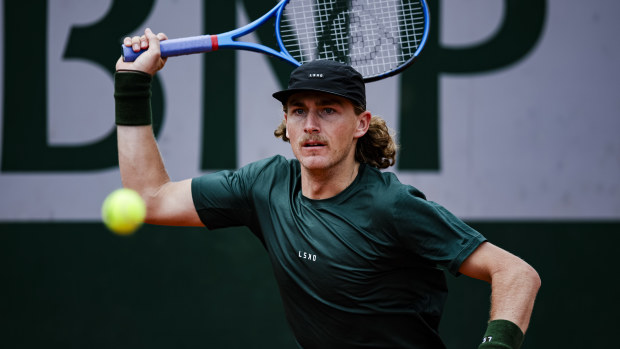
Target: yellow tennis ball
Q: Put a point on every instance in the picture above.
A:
(123, 211)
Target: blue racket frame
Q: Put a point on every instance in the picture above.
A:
(208, 43)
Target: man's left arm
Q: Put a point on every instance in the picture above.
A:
(514, 285)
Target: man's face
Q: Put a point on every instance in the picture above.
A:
(323, 129)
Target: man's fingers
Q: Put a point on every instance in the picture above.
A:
(153, 40)
(135, 43)
(138, 43)
(144, 43)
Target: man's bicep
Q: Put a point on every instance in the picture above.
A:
(172, 204)
(484, 261)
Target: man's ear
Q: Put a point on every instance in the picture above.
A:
(363, 123)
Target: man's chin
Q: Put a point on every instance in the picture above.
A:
(313, 162)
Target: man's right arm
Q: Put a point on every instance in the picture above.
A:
(141, 165)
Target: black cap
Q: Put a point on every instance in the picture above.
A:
(326, 76)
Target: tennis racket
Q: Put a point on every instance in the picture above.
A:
(379, 38)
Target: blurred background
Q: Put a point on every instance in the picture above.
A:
(509, 118)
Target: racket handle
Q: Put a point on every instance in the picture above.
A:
(177, 47)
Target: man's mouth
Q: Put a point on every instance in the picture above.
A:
(313, 144)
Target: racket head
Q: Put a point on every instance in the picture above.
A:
(379, 38)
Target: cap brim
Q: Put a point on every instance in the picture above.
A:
(284, 95)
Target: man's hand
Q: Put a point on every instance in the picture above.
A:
(149, 62)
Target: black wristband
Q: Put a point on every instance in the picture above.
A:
(502, 334)
(132, 93)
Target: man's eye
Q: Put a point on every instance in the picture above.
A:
(328, 111)
(298, 111)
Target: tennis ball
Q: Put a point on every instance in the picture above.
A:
(123, 211)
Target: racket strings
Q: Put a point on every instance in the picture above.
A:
(373, 36)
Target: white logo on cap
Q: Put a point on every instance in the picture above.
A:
(315, 75)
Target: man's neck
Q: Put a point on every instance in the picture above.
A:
(328, 183)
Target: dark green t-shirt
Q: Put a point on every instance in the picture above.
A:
(358, 270)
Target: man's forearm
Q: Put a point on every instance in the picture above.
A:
(514, 285)
(140, 162)
(513, 291)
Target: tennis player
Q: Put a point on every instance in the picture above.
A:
(359, 257)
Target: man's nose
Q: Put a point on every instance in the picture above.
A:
(312, 122)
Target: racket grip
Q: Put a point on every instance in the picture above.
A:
(177, 47)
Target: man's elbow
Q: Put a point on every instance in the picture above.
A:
(529, 276)
(536, 278)
(519, 273)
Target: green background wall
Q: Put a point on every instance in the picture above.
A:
(75, 285)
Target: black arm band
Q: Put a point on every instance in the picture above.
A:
(502, 334)
(132, 93)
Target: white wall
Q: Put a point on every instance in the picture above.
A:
(537, 140)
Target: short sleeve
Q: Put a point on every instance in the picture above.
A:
(432, 232)
(229, 198)
(219, 199)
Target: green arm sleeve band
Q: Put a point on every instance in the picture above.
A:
(132, 93)
(502, 334)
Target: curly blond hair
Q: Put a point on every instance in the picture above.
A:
(376, 148)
